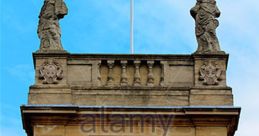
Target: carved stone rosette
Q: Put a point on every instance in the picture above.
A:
(205, 13)
(50, 72)
(210, 73)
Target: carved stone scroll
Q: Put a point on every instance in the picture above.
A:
(210, 73)
(124, 77)
(110, 73)
(137, 78)
(150, 76)
(205, 13)
(50, 72)
(48, 29)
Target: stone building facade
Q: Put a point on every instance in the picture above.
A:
(131, 95)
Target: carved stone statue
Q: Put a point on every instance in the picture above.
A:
(205, 13)
(48, 29)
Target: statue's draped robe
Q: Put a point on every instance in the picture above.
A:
(49, 30)
(205, 14)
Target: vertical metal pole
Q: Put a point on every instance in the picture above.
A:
(132, 26)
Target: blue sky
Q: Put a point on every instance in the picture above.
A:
(102, 26)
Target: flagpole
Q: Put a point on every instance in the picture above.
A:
(132, 26)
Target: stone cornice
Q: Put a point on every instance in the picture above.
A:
(227, 116)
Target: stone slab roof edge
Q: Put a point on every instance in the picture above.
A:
(101, 56)
(121, 54)
(68, 106)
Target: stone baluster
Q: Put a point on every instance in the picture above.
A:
(137, 80)
(110, 73)
(99, 78)
(124, 77)
(150, 76)
(162, 77)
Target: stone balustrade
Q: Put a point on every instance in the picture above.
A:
(129, 73)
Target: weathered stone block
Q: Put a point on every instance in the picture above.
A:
(210, 70)
(50, 96)
(50, 69)
(49, 130)
(180, 76)
(211, 131)
(80, 74)
(216, 97)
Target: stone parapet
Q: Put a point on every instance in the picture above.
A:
(135, 80)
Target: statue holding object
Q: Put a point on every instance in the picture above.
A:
(205, 13)
(48, 29)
